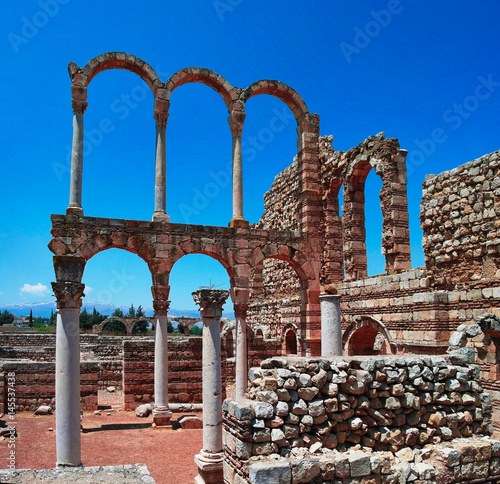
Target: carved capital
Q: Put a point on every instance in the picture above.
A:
(240, 310)
(161, 307)
(68, 294)
(210, 302)
(236, 120)
(161, 119)
(79, 107)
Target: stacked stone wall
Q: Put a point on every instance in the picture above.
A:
(35, 384)
(460, 217)
(304, 413)
(110, 374)
(184, 371)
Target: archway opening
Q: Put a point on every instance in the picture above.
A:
(291, 342)
(114, 328)
(373, 224)
(199, 152)
(142, 328)
(119, 147)
(367, 341)
(259, 333)
(269, 145)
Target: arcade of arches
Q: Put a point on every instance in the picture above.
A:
(279, 267)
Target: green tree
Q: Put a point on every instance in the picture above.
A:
(52, 319)
(131, 312)
(97, 317)
(170, 327)
(196, 331)
(118, 313)
(85, 322)
(6, 317)
(30, 321)
(139, 313)
(180, 329)
(115, 327)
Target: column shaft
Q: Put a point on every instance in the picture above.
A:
(212, 387)
(241, 357)
(160, 213)
(68, 440)
(75, 193)
(161, 362)
(237, 178)
(331, 325)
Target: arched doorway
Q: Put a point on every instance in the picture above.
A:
(366, 336)
(290, 342)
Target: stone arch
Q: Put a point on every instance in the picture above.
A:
(140, 320)
(126, 324)
(115, 60)
(361, 336)
(211, 79)
(290, 345)
(281, 91)
(135, 244)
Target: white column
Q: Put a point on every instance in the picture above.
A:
(209, 460)
(331, 325)
(160, 213)
(68, 440)
(161, 412)
(75, 191)
(236, 120)
(241, 350)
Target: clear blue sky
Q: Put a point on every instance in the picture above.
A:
(404, 67)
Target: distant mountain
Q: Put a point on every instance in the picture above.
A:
(43, 309)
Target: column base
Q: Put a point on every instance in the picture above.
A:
(238, 223)
(162, 417)
(74, 210)
(210, 468)
(160, 217)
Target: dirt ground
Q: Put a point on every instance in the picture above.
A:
(112, 438)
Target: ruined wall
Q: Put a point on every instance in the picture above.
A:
(460, 217)
(35, 384)
(184, 371)
(314, 408)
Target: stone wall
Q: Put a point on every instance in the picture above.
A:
(315, 410)
(35, 384)
(460, 217)
(184, 371)
(110, 374)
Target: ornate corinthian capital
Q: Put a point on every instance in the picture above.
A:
(68, 294)
(210, 302)
(240, 310)
(79, 107)
(161, 307)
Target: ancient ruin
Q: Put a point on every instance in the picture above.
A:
(420, 344)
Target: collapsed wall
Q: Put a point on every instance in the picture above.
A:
(342, 419)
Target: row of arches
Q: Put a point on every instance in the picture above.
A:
(234, 99)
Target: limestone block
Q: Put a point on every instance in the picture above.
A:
(270, 472)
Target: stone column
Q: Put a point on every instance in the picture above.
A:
(68, 440)
(240, 312)
(75, 191)
(209, 460)
(236, 120)
(160, 214)
(331, 325)
(161, 412)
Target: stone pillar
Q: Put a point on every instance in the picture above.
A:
(68, 440)
(331, 325)
(209, 460)
(161, 412)
(240, 312)
(236, 120)
(75, 191)
(160, 214)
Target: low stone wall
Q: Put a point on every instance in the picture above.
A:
(184, 371)
(381, 405)
(110, 374)
(35, 384)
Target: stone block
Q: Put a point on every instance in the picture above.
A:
(269, 472)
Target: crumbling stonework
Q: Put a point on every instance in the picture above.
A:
(318, 413)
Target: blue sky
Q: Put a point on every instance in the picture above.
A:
(424, 72)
